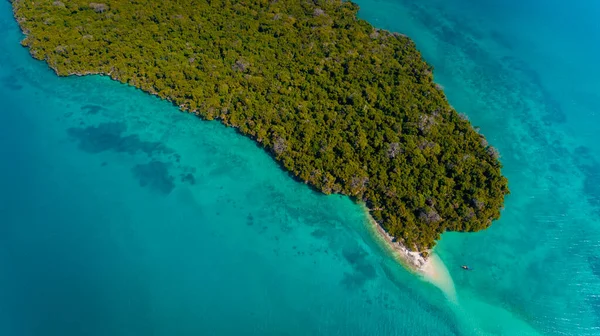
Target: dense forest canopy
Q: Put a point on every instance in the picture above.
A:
(345, 107)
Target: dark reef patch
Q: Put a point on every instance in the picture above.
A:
(352, 281)
(363, 270)
(558, 150)
(318, 233)
(11, 83)
(590, 168)
(92, 109)
(518, 65)
(110, 137)
(188, 178)
(553, 112)
(155, 175)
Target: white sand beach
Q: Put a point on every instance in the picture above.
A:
(431, 268)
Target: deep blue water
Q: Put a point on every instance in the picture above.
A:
(121, 216)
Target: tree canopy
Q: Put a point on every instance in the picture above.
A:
(345, 107)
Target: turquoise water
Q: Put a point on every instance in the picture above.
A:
(121, 216)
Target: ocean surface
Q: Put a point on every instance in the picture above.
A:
(120, 215)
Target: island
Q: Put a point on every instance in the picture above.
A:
(343, 106)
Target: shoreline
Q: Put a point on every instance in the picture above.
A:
(414, 261)
(430, 269)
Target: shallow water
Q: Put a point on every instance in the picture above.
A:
(121, 216)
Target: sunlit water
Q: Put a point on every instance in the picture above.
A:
(121, 216)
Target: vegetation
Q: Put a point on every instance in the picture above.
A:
(345, 107)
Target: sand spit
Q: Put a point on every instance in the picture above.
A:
(430, 268)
